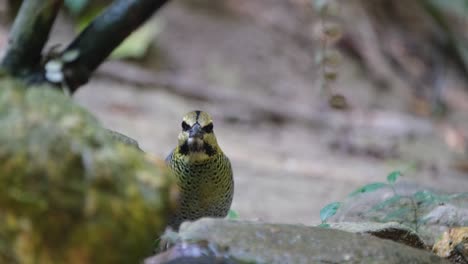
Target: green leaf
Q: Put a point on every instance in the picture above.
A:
(424, 197)
(138, 43)
(424, 220)
(232, 215)
(324, 225)
(457, 7)
(369, 188)
(450, 197)
(320, 5)
(156, 243)
(393, 176)
(398, 215)
(85, 18)
(386, 203)
(76, 6)
(329, 210)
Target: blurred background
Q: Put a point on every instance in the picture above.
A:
(311, 99)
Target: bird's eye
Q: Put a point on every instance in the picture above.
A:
(185, 126)
(208, 128)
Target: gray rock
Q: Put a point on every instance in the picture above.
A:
(448, 215)
(250, 242)
(428, 212)
(392, 231)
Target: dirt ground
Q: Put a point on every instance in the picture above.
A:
(291, 155)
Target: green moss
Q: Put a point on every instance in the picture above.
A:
(70, 192)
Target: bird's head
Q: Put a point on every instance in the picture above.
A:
(197, 139)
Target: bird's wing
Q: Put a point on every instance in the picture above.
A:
(169, 157)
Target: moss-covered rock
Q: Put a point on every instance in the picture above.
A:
(69, 191)
(428, 212)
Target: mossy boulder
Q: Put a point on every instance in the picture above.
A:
(69, 191)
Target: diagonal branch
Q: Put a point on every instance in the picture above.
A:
(29, 34)
(103, 35)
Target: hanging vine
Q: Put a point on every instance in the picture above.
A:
(328, 57)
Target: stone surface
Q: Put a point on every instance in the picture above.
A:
(392, 231)
(251, 242)
(453, 245)
(429, 213)
(70, 192)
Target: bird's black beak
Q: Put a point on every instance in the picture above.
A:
(195, 139)
(196, 132)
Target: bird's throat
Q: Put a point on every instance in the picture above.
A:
(196, 147)
(195, 144)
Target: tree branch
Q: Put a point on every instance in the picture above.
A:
(29, 34)
(103, 35)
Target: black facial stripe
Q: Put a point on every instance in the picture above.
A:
(185, 126)
(210, 151)
(198, 114)
(208, 128)
(184, 149)
(207, 148)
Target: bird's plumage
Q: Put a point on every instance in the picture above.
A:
(203, 172)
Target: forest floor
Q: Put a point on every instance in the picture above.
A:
(291, 154)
